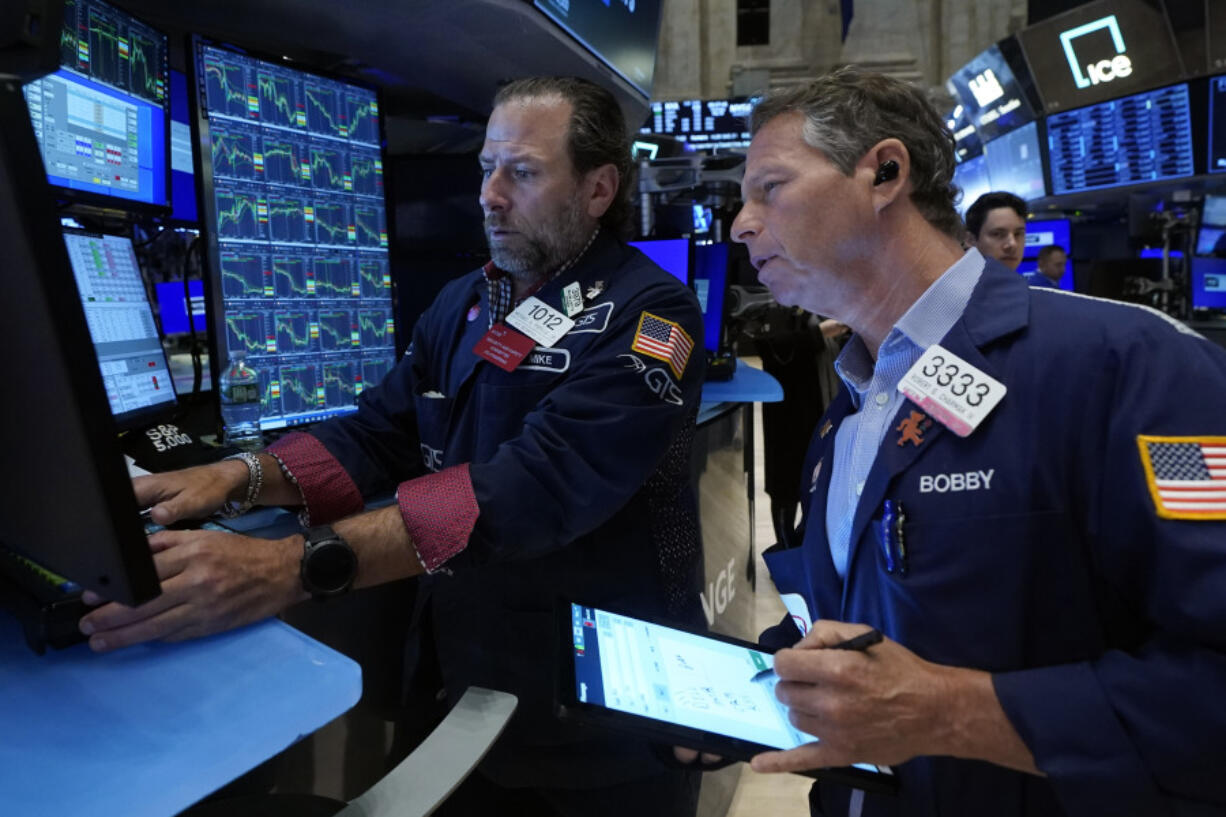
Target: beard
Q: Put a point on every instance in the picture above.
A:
(538, 249)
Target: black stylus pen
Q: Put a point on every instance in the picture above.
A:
(859, 643)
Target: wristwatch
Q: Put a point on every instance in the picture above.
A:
(329, 565)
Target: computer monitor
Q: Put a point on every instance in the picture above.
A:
(622, 35)
(295, 223)
(971, 177)
(1211, 237)
(172, 307)
(69, 504)
(967, 144)
(1015, 164)
(1208, 283)
(702, 124)
(711, 286)
(1145, 137)
(673, 254)
(991, 94)
(102, 119)
(182, 153)
(1101, 50)
(120, 318)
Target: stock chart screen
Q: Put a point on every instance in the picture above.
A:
(1140, 138)
(1217, 124)
(102, 119)
(702, 124)
(295, 207)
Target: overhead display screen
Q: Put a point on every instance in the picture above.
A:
(1015, 164)
(966, 139)
(1217, 125)
(1099, 51)
(1141, 138)
(101, 119)
(622, 33)
(702, 124)
(971, 177)
(992, 96)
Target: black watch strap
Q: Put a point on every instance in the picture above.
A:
(329, 564)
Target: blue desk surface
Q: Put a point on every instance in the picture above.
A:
(147, 731)
(748, 385)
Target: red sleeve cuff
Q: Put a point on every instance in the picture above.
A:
(327, 489)
(439, 512)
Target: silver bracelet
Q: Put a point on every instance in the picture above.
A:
(255, 483)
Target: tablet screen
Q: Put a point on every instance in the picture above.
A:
(706, 692)
(690, 680)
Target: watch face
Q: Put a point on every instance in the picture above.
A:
(330, 567)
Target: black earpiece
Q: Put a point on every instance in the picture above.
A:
(886, 171)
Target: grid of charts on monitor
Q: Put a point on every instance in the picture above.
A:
(296, 206)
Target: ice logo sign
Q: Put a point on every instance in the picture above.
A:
(986, 88)
(1103, 70)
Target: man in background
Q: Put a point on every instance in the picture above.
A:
(1051, 264)
(996, 226)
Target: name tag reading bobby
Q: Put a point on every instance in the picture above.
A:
(540, 321)
(954, 392)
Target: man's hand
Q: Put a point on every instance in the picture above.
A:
(193, 493)
(884, 706)
(211, 581)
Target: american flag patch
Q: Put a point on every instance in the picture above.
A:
(663, 340)
(1186, 475)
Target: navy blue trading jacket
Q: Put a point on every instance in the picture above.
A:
(579, 463)
(1102, 622)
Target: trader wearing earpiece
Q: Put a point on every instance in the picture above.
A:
(1020, 488)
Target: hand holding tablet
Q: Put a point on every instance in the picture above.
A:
(685, 689)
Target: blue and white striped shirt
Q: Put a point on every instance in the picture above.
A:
(875, 395)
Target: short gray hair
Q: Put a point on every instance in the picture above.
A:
(849, 110)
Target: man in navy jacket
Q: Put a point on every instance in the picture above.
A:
(1023, 489)
(527, 465)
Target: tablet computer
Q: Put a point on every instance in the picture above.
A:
(704, 691)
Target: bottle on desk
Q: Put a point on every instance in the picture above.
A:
(239, 392)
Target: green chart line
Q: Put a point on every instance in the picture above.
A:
(268, 88)
(287, 273)
(312, 99)
(285, 325)
(222, 73)
(249, 343)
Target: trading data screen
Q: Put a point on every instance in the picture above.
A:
(1141, 138)
(991, 94)
(1217, 124)
(1209, 283)
(295, 205)
(120, 320)
(702, 124)
(971, 177)
(101, 120)
(1015, 164)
